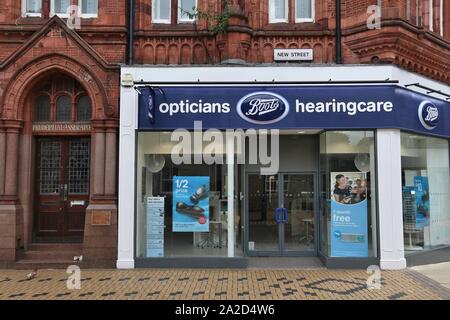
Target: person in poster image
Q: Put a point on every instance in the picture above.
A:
(359, 191)
(342, 191)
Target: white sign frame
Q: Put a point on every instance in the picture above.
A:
(293, 55)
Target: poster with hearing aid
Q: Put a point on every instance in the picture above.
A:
(190, 204)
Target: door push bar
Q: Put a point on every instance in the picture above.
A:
(281, 215)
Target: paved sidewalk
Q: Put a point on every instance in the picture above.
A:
(439, 272)
(217, 284)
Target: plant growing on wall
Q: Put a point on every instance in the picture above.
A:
(215, 23)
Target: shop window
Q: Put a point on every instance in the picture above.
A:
(63, 109)
(278, 11)
(83, 109)
(161, 11)
(348, 218)
(42, 109)
(31, 8)
(426, 192)
(304, 10)
(181, 207)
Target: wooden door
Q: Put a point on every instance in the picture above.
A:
(62, 189)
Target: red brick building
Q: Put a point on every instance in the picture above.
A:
(406, 37)
(58, 130)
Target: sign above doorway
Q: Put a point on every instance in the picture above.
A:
(61, 127)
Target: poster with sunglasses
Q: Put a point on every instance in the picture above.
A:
(190, 204)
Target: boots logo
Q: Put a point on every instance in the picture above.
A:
(263, 107)
(428, 115)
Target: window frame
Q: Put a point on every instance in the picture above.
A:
(441, 18)
(86, 15)
(77, 107)
(65, 94)
(164, 21)
(184, 20)
(313, 13)
(272, 19)
(53, 13)
(430, 16)
(39, 95)
(25, 12)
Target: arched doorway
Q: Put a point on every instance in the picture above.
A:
(60, 113)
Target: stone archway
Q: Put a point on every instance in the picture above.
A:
(17, 143)
(33, 71)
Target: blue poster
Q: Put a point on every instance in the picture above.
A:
(422, 192)
(190, 204)
(349, 215)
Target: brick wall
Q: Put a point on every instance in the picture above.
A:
(254, 38)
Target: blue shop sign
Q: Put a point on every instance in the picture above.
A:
(292, 107)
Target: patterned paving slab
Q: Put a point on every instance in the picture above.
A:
(176, 284)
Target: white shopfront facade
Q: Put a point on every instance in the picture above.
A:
(289, 212)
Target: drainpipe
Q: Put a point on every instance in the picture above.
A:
(338, 33)
(130, 32)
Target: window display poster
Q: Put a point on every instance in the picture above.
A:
(155, 226)
(349, 236)
(422, 192)
(190, 204)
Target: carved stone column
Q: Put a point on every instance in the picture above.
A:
(98, 159)
(12, 156)
(111, 160)
(100, 232)
(9, 206)
(2, 158)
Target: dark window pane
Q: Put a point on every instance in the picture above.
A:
(50, 167)
(78, 87)
(84, 109)
(64, 109)
(79, 168)
(42, 109)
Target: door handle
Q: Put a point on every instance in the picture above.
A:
(285, 215)
(279, 215)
